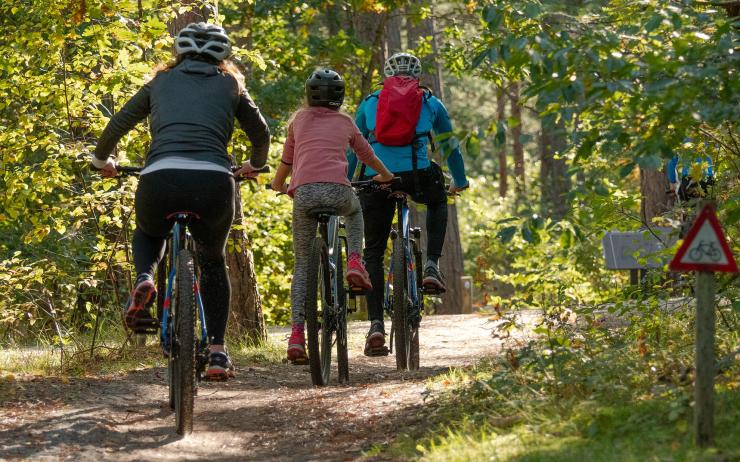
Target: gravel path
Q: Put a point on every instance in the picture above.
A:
(266, 413)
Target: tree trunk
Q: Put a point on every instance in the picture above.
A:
(554, 179)
(185, 18)
(655, 201)
(516, 134)
(421, 29)
(246, 317)
(502, 168)
(393, 34)
(333, 18)
(370, 27)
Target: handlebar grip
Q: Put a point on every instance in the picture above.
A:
(129, 169)
(264, 169)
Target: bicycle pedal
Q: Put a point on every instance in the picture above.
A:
(377, 351)
(357, 292)
(432, 291)
(146, 326)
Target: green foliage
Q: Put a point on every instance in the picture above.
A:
(630, 79)
(64, 232)
(614, 393)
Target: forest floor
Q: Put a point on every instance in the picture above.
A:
(269, 412)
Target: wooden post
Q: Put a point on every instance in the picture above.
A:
(704, 383)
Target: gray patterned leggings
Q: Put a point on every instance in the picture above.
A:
(306, 197)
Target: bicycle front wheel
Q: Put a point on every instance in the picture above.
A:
(340, 322)
(317, 329)
(183, 352)
(401, 332)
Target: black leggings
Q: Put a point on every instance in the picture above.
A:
(378, 212)
(210, 196)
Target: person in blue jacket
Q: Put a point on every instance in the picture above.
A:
(685, 186)
(424, 182)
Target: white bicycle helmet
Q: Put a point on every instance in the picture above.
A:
(203, 39)
(402, 64)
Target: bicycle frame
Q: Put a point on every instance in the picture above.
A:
(404, 225)
(181, 237)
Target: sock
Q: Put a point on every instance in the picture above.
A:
(142, 277)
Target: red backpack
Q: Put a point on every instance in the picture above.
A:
(399, 106)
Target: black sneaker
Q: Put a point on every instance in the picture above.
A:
(375, 341)
(220, 367)
(433, 281)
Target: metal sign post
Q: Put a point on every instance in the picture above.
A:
(705, 251)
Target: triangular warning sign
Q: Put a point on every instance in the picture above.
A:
(705, 247)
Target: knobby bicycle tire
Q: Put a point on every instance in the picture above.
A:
(184, 333)
(414, 327)
(414, 353)
(400, 305)
(341, 317)
(313, 327)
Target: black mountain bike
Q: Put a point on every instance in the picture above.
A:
(326, 298)
(182, 322)
(404, 294)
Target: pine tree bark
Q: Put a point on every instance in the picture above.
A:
(516, 134)
(197, 14)
(421, 29)
(370, 29)
(246, 318)
(393, 34)
(503, 176)
(554, 179)
(655, 201)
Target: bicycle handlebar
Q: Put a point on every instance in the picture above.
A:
(264, 169)
(372, 185)
(132, 170)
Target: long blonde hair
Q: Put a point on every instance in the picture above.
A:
(226, 66)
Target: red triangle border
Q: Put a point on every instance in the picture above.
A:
(707, 213)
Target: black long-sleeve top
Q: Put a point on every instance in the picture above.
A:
(193, 107)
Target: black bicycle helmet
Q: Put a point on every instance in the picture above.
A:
(325, 88)
(205, 39)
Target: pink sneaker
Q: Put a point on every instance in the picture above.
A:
(297, 345)
(356, 274)
(137, 315)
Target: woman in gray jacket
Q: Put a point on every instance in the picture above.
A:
(192, 103)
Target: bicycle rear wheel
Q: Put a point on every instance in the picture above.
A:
(401, 332)
(414, 349)
(340, 322)
(183, 349)
(319, 354)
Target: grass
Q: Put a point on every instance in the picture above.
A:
(607, 397)
(113, 354)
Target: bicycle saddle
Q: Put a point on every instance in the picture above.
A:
(322, 211)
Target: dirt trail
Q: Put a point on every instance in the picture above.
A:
(266, 413)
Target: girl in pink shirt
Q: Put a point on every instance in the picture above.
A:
(315, 154)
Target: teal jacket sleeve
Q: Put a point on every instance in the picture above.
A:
(362, 126)
(442, 125)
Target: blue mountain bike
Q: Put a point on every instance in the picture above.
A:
(181, 316)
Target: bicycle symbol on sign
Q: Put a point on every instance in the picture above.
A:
(705, 248)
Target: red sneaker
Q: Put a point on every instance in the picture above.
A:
(356, 274)
(297, 345)
(137, 311)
